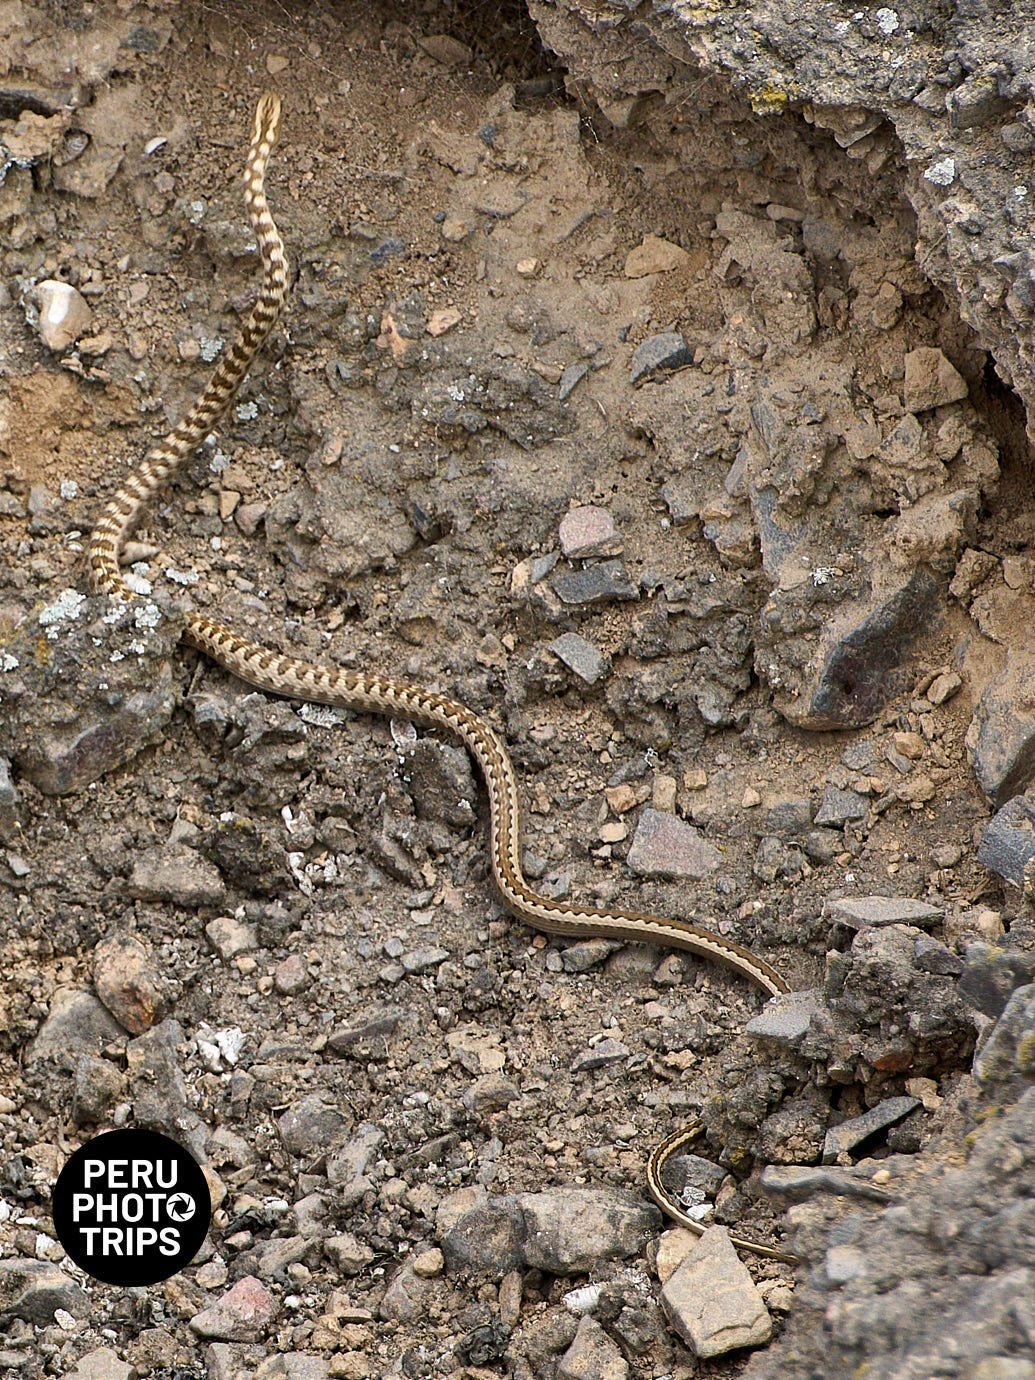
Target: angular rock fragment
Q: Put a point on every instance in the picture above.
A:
(931, 380)
(845, 1137)
(660, 354)
(1001, 736)
(663, 846)
(711, 1300)
(589, 663)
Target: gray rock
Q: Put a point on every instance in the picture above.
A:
(1005, 1063)
(585, 954)
(348, 1254)
(488, 1237)
(660, 354)
(103, 1364)
(841, 1140)
(76, 1024)
(490, 1093)
(158, 1088)
(10, 803)
(840, 807)
(348, 1168)
(440, 780)
(711, 1300)
(570, 1231)
(292, 1365)
(422, 960)
(1001, 739)
(786, 1019)
(663, 846)
(1008, 840)
(589, 531)
(311, 1126)
(571, 378)
(361, 1040)
(77, 710)
(600, 1056)
(405, 1298)
(97, 1087)
(682, 497)
(857, 911)
(230, 936)
(597, 584)
(592, 1355)
(695, 1173)
(930, 380)
(588, 662)
(797, 1183)
(932, 956)
(34, 1290)
(178, 875)
(992, 974)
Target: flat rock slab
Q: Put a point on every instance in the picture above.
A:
(663, 846)
(1001, 737)
(841, 1139)
(858, 911)
(1008, 840)
(712, 1302)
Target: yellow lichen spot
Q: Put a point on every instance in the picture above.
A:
(772, 99)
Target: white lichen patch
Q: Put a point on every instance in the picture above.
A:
(181, 577)
(887, 20)
(69, 488)
(322, 715)
(246, 412)
(942, 172)
(8, 662)
(65, 609)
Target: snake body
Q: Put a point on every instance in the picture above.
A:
(297, 679)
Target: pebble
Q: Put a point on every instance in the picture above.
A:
(240, 1315)
(310, 1126)
(230, 936)
(592, 1355)
(125, 979)
(178, 875)
(931, 380)
(857, 911)
(586, 954)
(291, 976)
(571, 378)
(589, 531)
(660, 354)
(842, 1139)
(786, 1019)
(838, 807)
(1007, 843)
(359, 1040)
(712, 1302)
(102, 1364)
(600, 1056)
(36, 1290)
(96, 1087)
(654, 255)
(429, 1264)
(76, 1024)
(597, 584)
(491, 1092)
(348, 1254)
(348, 1166)
(663, 846)
(943, 687)
(64, 314)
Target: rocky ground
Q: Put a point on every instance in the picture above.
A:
(614, 398)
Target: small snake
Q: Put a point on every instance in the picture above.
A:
(375, 694)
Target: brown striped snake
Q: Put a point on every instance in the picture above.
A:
(284, 675)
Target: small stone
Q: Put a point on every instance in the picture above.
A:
(786, 1019)
(857, 911)
(586, 954)
(310, 1125)
(600, 1056)
(348, 1254)
(838, 808)
(931, 380)
(664, 846)
(124, 978)
(910, 745)
(660, 354)
(492, 1092)
(76, 1024)
(751, 799)
(943, 687)
(712, 1302)
(840, 1140)
(1005, 1063)
(614, 831)
(429, 1264)
(571, 1231)
(596, 584)
(663, 793)
(97, 1087)
(621, 798)
(240, 1315)
(248, 516)
(178, 875)
(528, 268)
(654, 255)
(422, 960)
(443, 320)
(588, 662)
(64, 314)
(35, 1291)
(230, 937)
(276, 63)
(291, 976)
(571, 378)
(589, 531)
(1007, 843)
(102, 1364)
(446, 49)
(592, 1355)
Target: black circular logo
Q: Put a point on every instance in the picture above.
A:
(131, 1207)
